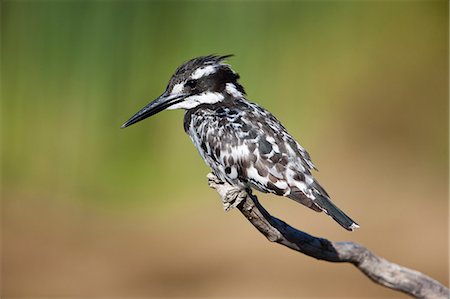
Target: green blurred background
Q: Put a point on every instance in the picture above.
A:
(92, 210)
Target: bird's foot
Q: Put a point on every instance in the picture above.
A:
(231, 196)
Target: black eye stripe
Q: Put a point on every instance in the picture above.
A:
(191, 83)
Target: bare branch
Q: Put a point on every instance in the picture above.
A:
(376, 268)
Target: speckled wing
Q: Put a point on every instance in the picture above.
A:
(270, 160)
(278, 164)
(247, 146)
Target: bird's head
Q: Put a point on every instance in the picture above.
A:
(202, 80)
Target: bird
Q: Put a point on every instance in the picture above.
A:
(243, 143)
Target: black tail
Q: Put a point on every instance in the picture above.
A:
(326, 205)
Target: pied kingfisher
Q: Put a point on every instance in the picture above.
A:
(244, 144)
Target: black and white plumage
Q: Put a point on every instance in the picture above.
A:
(243, 143)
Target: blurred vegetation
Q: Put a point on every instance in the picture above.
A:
(74, 71)
(88, 209)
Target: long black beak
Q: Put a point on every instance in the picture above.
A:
(162, 102)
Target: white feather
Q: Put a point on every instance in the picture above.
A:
(233, 174)
(253, 174)
(281, 184)
(354, 226)
(308, 179)
(177, 89)
(231, 89)
(204, 71)
(195, 100)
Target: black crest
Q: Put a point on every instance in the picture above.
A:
(197, 62)
(215, 81)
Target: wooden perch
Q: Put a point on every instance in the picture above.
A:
(376, 268)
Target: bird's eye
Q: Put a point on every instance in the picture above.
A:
(191, 83)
